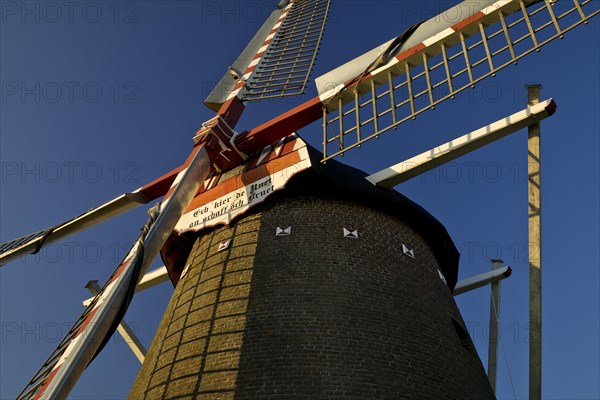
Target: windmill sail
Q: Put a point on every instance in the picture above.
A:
(33, 243)
(60, 372)
(264, 71)
(295, 30)
(429, 63)
(93, 328)
(288, 61)
(434, 61)
(279, 59)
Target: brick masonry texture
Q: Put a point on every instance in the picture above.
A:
(313, 315)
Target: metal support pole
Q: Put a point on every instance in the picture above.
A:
(481, 280)
(494, 327)
(126, 332)
(535, 251)
(151, 279)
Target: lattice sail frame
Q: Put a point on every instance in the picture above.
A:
(285, 67)
(417, 79)
(95, 325)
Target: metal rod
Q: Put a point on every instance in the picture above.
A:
(392, 98)
(428, 79)
(300, 48)
(554, 20)
(528, 22)
(535, 253)
(151, 279)
(475, 282)
(325, 124)
(579, 10)
(447, 67)
(278, 82)
(374, 100)
(410, 89)
(274, 66)
(341, 122)
(357, 110)
(302, 20)
(487, 48)
(507, 35)
(494, 327)
(467, 62)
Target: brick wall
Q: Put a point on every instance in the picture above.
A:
(313, 315)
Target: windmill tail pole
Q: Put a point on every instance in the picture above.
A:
(535, 250)
(61, 371)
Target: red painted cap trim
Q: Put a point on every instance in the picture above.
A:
(551, 108)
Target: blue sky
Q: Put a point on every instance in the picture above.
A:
(109, 96)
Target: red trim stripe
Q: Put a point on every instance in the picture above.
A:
(46, 383)
(244, 179)
(267, 42)
(469, 20)
(410, 52)
(119, 271)
(160, 186)
(281, 126)
(185, 165)
(85, 323)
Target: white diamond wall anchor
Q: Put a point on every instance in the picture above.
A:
(224, 245)
(185, 271)
(283, 231)
(351, 233)
(408, 251)
(442, 277)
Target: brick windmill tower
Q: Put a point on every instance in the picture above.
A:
(330, 287)
(297, 276)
